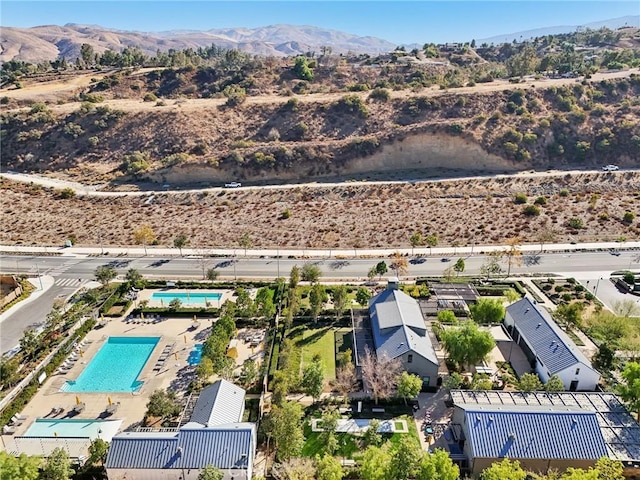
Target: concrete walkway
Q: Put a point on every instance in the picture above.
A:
(42, 284)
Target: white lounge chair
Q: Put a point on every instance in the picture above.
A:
(7, 430)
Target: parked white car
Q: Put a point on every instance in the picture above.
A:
(610, 168)
(233, 185)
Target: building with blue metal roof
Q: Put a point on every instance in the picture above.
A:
(215, 435)
(549, 349)
(399, 331)
(544, 430)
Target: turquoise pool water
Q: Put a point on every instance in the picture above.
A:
(116, 367)
(187, 298)
(67, 428)
(195, 355)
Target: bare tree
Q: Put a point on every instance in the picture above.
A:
(346, 379)
(513, 253)
(380, 374)
(626, 308)
(296, 468)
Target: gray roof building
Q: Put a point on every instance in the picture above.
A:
(398, 326)
(547, 418)
(549, 348)
(218, 404)
(215, 435)
(399, 332)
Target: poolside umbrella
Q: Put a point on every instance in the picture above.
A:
(176, 355)
(77, 400)
(55, 434)
(195, 318)
(109, 400)
(162, 303)
(141, 316)
(185, 339)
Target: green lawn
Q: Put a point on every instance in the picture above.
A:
(313, 341)
(349, 445)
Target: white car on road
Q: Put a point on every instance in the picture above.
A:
(232, 185)
(610, 168)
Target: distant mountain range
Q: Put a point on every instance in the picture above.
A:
(49, 42)
(614, 23)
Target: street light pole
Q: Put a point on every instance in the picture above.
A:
(39, 277)
(278, 261)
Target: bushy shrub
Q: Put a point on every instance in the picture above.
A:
(520, 198)
(353, 104)
(541, 200)
(531, 211)
(380, 95)
(150, 97)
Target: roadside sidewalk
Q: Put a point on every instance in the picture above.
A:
(42, 284)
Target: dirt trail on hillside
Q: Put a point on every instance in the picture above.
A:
(48, 90)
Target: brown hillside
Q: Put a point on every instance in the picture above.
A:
(268, 138)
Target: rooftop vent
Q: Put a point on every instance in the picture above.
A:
(512, 436)
(491, 419)
(526, 310)
(539, 325)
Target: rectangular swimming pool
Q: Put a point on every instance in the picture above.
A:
(187, 298)
(116, 367)
(72, 428)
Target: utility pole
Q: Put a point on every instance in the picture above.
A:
(39, 277)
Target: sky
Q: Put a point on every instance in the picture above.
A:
(401, 22)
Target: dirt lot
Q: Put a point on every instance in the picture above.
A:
(461, 211)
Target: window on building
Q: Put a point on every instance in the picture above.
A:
(409, 358)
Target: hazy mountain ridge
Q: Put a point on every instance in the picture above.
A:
(613, 23)
(49, 42)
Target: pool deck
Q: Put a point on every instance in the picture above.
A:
(132, 406)
(147, 294)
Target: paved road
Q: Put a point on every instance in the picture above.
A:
(71, 272)
(66, 269)
(96, 190)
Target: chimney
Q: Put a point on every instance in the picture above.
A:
(392, 283)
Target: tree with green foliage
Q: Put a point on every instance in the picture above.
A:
(180, 242)
(511, 295)
(249, 372)
(23, 467)
(569, 314)
(372, 435)
(431, 241)
(285, 427)
(530, 382)
(264, 303)
(204, 370)
(210, 473)
(481, 381)
(339, 299)
(134, 278)
(302, 69)
(409, 386)
(163, 404)
(294, 277)
(98, 450)
(328, 468)
(246, 242)
(376, 463)
(329, 426)
(446, 316)
(313, 379)
(29, 343)
(310, 272)
(245, 306)
(554, 384)
(381, 268)
(405, 458)
(212, 274)
(487, 310)
(605, 358)
(630, 389)
(459, 266)
(363, 294)
(437, 465)
(317, 299)
(504, 470)
(9, 371)
(57, 466)
(105, 274)
(415, 239)
(467, 345)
